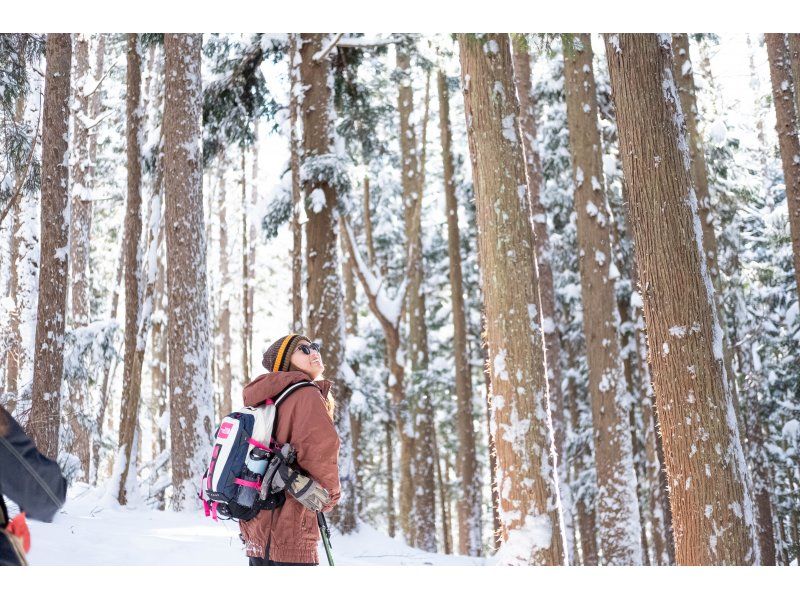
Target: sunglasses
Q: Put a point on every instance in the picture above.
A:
(307, 349)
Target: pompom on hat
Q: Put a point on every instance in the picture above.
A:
(278, 357)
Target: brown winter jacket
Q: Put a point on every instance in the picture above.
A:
(303, 422)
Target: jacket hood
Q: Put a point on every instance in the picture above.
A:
(270, 385)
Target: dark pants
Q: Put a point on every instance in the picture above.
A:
(259, 562)
(265, 562)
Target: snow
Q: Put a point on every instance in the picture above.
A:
(679, 331)
(499, 364)
(90, 530)
(317, 200)
(718, 132)
(509, 128)
(536, 533)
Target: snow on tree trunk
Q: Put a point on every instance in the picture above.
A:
(43, 423)
(491, 446)
(530, 507)
(469, 501)
(617, 503)
(190, 399)
(325, 315)
(713, 515)
(533, 170)
(783, 84)
(125, 465)
(80, 234)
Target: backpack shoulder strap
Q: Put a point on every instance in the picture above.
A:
(289, 390)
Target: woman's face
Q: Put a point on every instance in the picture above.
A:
(311, 364)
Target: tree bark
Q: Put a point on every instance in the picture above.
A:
(712, 514)
(190, 397)
(793, 40)
(48, 365)
(786, 125)
(529, 502)
(325, 317)
(533, 171)
(132, 372)
(80, 234)
(497, 524)
(617, 504)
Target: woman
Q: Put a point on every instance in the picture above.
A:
(289, 534)
(32, 481)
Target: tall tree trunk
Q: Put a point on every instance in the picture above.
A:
(224, 322)
(552, 343)
(469, 501)
(132, 373)
(617, 504)
(80, 234)
(248, 261)
(391, 517)
(351, 329)
(190, 399)
(684, 80)
(586, 518)
(48, 365)
(793, 40)
(786, 125)
(423, 508)
(529, 501)
(158, 368)
(713, 515)
(447, 536)
(324, 285)
(294, 153)
(246, 281)
(660, 523)
(15, 352)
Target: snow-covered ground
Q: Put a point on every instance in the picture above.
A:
(92, 530)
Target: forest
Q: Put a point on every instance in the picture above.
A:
(553, 278)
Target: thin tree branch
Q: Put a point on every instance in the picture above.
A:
(326, 50)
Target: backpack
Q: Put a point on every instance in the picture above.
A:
(229, 486)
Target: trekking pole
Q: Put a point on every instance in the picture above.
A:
(326, 536)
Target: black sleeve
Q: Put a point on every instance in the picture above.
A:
(27, 477)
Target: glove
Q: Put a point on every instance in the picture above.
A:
(19, 528)
(280, 476)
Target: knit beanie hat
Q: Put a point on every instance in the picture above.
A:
(277, 357)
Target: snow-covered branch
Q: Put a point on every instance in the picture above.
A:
(387, 309)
